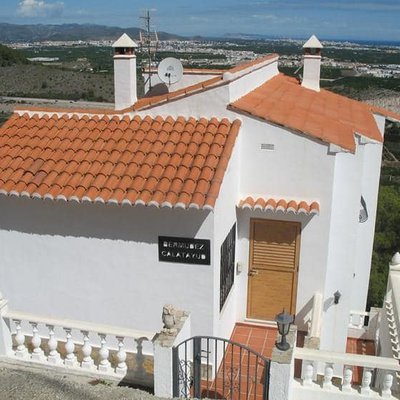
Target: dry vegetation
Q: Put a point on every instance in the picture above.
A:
(49, 82)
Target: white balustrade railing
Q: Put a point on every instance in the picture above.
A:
(318, 373)
(76, 344)
(358, 319)
(364, 324)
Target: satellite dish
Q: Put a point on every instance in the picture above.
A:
(170, 70)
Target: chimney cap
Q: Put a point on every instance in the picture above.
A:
(313, 43)
(125, 41)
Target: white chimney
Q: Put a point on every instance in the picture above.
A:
(125, 85)
(312, 64)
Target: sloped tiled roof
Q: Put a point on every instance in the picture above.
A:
(270, 204)
(140, 161)
(323, 115)
(147, 102)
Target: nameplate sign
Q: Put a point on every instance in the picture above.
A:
(183, 250)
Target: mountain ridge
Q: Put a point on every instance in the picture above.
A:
(69, 32)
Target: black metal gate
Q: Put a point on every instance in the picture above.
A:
(216, 368)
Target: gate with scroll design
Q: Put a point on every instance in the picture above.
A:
(216, 368)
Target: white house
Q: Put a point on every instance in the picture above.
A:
(233, 199)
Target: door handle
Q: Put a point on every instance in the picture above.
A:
(253, 272)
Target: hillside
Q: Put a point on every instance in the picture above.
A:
(67, 32)
(9, 57)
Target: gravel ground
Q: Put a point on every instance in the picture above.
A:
(20, 383)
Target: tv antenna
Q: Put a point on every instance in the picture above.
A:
(148, 41)
(170, 70)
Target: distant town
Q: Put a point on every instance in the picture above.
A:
(224, 54)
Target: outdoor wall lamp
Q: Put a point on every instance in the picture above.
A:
(336, 297)
(283, 320)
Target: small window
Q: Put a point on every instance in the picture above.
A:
(227, 265)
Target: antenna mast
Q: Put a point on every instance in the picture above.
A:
(148, 41)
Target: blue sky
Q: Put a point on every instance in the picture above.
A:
(365, 19)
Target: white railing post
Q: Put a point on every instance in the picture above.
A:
(347, 378)
(366, 381)
(22, 351)
(316, 315)
(54, 356)
(87, 361)
(387, 386)
(104, 365)
(37, 352)
(121, 357)
(70, 358)
(308, 372)
(163, 347)
(5, 331)
(328, 375)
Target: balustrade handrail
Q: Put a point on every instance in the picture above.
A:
(362, 313)
(79, 325)
(358, 360)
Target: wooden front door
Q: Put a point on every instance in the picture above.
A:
(273, 268)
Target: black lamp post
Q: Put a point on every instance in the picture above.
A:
(283, 320)
(336, 297)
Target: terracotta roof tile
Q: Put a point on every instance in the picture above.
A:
(323, 115)
(283, 205)
(149, 161)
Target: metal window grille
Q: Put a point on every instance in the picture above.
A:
(227, 265)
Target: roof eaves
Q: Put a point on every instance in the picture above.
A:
(338, 147)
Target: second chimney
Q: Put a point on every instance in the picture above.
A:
(125, 85)
(312, 64)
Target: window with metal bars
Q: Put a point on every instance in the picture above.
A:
(227, 266)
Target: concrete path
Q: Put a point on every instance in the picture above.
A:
(20, 383)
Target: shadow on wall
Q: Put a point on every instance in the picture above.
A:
(157, 90)
(244, 217)
(140, 224)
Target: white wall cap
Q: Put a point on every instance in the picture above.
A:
(358, 360)
(125, 41)
(313, 43)
(395, 259)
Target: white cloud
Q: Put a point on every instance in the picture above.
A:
(39, 8)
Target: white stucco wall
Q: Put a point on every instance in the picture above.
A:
(224, 219)
(299, 168)
(213, 102)
(100, 263)
(342, 249)
(372, 156)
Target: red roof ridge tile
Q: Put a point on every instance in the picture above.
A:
(279, 204)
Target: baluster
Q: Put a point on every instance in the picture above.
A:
(387, 386)
(308, 373)
(121, 357)
(87, 362)
(70, 359)
(327, 384)
(54, 355)
(347, 378)
(21, 351)
(104, 364)
(37, 352)
(366, 381)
